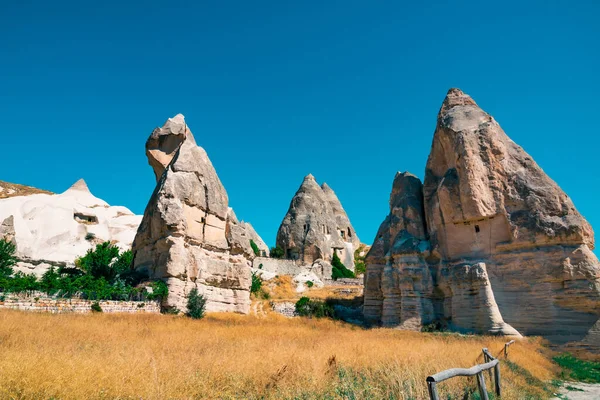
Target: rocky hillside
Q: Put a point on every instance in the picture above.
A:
(13, 190)
(55, 229)
(488, 243)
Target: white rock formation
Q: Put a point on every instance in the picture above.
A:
(55, 229)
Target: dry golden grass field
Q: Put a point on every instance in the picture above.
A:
(226, 356)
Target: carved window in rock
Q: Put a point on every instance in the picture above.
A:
(349, 233)
(343, 234)
(85, 219)
(477, 230)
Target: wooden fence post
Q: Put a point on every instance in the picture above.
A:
(497, 379)
(481, 384)
(433, 394)
(487, 357)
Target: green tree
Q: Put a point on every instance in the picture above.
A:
(256, 283)
(105, 261)
(196, 304)
(276, 252)
(255, 248)
(7, 257)
(339, 270)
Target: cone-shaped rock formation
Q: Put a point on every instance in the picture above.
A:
(316, 225)
(488, 240)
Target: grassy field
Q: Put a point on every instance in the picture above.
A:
(226, 356)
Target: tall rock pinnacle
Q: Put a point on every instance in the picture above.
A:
(503, 244)
(189, 237)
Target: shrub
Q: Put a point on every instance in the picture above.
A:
(309, 284)
(99, 262)
(305, 307)
(276, 252)
(90, 236)
(7, 257)
(256, 283)
(96, 307)
(339, 270)
(255, 248)
(360, 266)
(160, 290)
(196, 304)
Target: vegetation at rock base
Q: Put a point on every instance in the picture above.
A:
(257, 289)
(96, 307)
(256, 283)
(196, 304)
(578, 370)
(104, 273)
(229, 356)
(360, 267)
(276, 252)
(305, 307)
(7, 257)
(339, 270)
(255, 248)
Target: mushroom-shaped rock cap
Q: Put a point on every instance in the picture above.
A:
(164, 142)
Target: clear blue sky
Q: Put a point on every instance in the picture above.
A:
(274, 90)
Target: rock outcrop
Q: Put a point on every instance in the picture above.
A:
(189, 237)
(55, 229)
(316, 225)
(488, 240)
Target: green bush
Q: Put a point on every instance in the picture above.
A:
(305, 307)
(360, 266)
(96, 307)
(339, 270)
(7, 257)
(309, 284)
(255, 248)
(276, 252)
(105, 277)
(256, 283)
(160, 291)
(99, 262)
(196, 304)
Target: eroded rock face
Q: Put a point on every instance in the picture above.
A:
(316, 225)
(55, 229)
(189, 237)
(497, 242)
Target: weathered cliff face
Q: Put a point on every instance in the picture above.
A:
(502, 242)
(408, 286)
(185, 237)
(316, 225)
(52, 230)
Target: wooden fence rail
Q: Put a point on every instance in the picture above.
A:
(506, 346)
(490, 363)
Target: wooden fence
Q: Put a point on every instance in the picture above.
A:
(491, 364)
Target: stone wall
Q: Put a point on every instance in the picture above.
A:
(43, 303)
(277, 266)
(285, 308)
